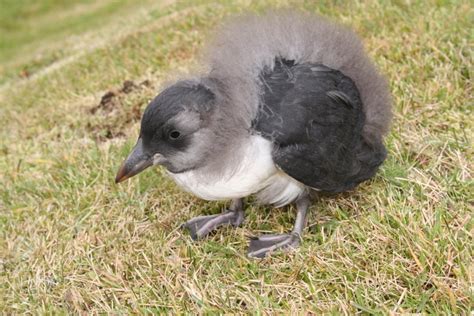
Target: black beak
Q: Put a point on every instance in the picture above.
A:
(136, 162)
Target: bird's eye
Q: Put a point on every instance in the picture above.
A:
(175, 134)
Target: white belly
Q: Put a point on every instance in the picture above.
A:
(253, 173)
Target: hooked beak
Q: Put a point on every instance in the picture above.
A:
(136, 162)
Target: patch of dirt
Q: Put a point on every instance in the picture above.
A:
(104, 132)
(111, 99)
(107, 103)
(128, 86)
(112, 115)
(146, 83)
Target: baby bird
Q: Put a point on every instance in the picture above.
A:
(289, 104)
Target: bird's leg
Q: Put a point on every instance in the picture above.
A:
(262, 245)
(200, 226)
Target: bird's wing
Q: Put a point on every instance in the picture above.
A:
(314, 117)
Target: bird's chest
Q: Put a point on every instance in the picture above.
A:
(245, 175)
(255, 172)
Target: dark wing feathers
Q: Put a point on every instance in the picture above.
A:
(339, 97)
(313, 115)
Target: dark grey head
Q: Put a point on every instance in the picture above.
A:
(174, 131)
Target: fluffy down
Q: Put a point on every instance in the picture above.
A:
(245, 46)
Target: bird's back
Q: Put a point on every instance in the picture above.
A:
(313, 116)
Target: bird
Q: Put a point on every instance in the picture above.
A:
(286, 105)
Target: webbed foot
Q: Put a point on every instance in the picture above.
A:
(261, 246)
(201, 226)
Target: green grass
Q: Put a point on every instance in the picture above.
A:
(73, 241)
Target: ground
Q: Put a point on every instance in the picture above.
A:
(75, 77)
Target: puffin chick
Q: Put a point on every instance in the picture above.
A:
(289, 104)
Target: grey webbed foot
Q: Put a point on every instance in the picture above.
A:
(201, 226)
(261, 246)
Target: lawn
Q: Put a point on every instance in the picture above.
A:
(71, 241)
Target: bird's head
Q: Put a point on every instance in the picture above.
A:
(174, 131)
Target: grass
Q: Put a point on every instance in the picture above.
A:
(73, 242)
